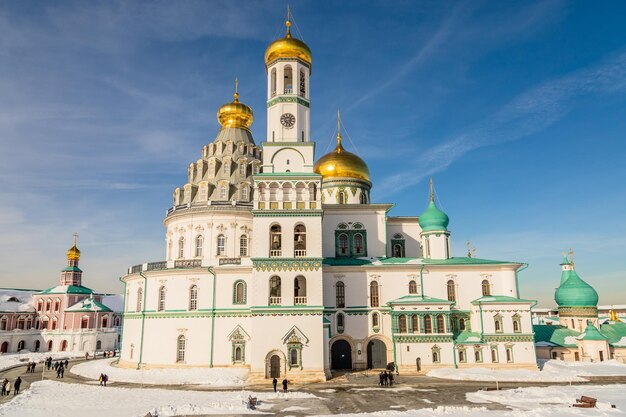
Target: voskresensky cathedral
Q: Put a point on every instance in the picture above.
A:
(284, 266)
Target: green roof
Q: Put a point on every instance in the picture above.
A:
(574, 292)
(466, 261)
(71, 269)
(467, 337)
(418, 299)
(592, 333)
(325, 320)
(67, 289)
(555, 335)
(88, 304)
(615, 332)
(501, 299)
(346, 261)
(433, 219)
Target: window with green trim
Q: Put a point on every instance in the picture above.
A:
(239, 292)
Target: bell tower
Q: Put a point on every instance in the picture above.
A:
(288, 148)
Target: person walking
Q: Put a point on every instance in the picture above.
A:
(66, 363)
(105, 379)
(390, 379)
(381, 378)
(17, 384)
(62, 369)
(6, 381)
(8, 388)
(386, 379)
(274, 383)
(285, 382)
(101, 379)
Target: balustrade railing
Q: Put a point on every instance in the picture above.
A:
(135, 269)
(299, 300)
(274, 301)
(299, 253)
(288, 90)
(188, 263)
(275, 252)
(156, 266)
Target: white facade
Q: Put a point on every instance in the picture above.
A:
(292, 281)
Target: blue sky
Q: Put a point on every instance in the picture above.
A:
(517, 109)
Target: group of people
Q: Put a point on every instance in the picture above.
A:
(385, 379)
(103, 379)
(59, 366)
(30, 368)
(285, 383)
(105, 354)
(6, 386)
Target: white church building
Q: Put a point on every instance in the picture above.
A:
(283, 265)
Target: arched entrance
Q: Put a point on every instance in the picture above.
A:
(49, 345)
(64, 346)
(37, 345)
(376, 354)
(4, 348)
(418, 364)
(341, 355)
(275, 366)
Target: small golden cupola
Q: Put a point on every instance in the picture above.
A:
(288, 47)
(235, 114)
(73, 253)
(345, 176)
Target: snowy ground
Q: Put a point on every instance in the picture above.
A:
(25, 356)
(217, 377)
(56, 399)
(553, 371)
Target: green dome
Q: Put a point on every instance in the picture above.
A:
(574, 292)
(433, 219)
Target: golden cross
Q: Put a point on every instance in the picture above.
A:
(75, 237)
(432, 193)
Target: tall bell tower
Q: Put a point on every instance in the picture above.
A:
(288, 147)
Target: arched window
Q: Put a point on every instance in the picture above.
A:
(451, 291)
(494, 355)
(180, 349)
(293, 356)
(362, 198)
(275, 240)
(398, 251)
(242, 168)
(48, 304)
(340, 323)
(497, 323)
(239, 292)
(275, 297)
(340, 295)
(478, 357)
(358, 244)
(223, 191)
(181, 248)
(299, 290)
(244, 192)
(44, 323)
(98, 344)
(415, 323)
(139, 299)
(273, 82)
(341, 197)
(375, 320)
(238, 354)
(374, 301)
(39, 305)
(517, 326)
(105, 322)
(57, 305)
(462, 324)
(436, 354)
(54, 323)
(485, 287)
(49, 345)
(428, 324)
(343, 244)
(509, 354)
(288, 79)
(412, 287)
(221, 245)
(193, 297)
(199, 242)
(440, 324)
(302, 84)
(161, 300)
(84, 322)
(402, 324)
(243, 245)
(299, 237)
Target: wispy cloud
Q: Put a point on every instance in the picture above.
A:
(528, 113)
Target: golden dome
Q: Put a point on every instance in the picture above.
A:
(73, 254)
(342, 164)
(288, 47)
(235, 114)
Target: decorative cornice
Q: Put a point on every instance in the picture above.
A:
(288, 99)
(287, 264)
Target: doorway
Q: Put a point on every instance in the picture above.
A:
(275, 366)
(341, 355)
(418, 364)
(376, 354)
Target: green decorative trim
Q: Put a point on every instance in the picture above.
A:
(286, 264)
(288, 99)
(288, 213)
(491, 338)
(590, 312)
(351, 246)
(430, 338)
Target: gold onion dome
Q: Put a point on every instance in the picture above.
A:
(342, 164)
(235, 114)
(288, 47)
(73, 254)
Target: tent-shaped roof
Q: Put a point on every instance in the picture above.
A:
(88, 305)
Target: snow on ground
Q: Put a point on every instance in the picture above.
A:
(8, 360)
(553, 371)
(378, 388)
(56, 399)
(218, 377)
